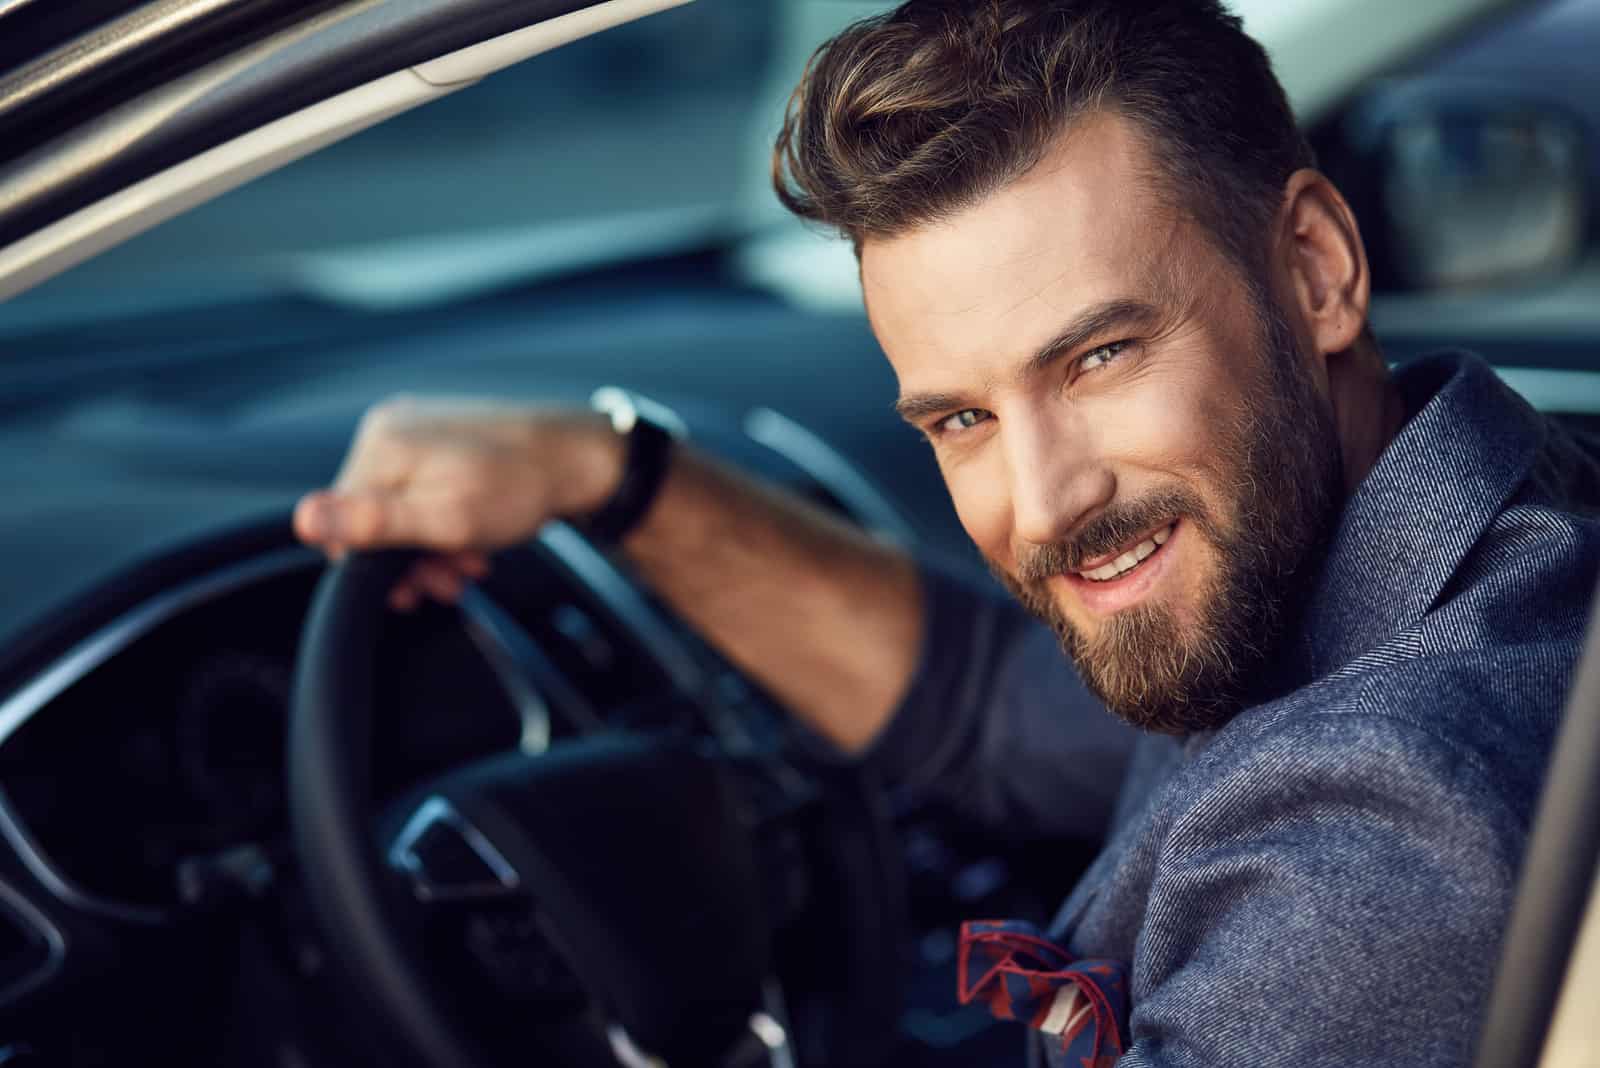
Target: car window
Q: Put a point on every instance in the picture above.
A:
(1537, 67)
(560, 155)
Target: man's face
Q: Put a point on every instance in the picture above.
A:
(1131, 437)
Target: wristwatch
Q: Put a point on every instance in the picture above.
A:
(650, 430)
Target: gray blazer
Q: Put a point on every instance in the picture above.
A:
(1324, 881)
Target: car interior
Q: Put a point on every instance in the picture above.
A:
(250, 818)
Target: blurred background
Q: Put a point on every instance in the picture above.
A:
(654, 137)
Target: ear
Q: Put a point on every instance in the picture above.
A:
(1326, 261)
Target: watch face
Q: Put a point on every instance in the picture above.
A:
(618, 404)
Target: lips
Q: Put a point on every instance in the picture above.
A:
(1127, 584)
(1125, 560)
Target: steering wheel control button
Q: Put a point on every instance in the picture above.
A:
(514, 954)
(449, 859)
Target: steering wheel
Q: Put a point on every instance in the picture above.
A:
(615, 900)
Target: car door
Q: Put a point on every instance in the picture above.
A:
(122, 126)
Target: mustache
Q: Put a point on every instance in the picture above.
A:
(1112, 529)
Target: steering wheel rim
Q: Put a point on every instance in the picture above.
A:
(330, 809)
(358, 902)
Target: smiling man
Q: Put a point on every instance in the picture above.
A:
(1131, 429)
(1341, 605)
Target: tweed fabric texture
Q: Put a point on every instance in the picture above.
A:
(1325, 880)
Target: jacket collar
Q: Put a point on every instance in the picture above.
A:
(1469, 444)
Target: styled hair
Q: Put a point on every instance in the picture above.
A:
(910, 116)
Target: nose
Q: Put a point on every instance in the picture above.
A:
(1057, 480)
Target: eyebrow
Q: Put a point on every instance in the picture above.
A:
(1094, 321)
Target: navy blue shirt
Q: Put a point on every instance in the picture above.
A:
(1325, 880)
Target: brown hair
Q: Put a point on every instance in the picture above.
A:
(909, 116)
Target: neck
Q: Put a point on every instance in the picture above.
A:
(1368, 410)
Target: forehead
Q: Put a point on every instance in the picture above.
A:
(1086, 225)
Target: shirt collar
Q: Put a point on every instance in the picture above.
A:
(1470, 442)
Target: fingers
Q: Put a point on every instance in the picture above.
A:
(310, 523)
(335, 521)
(379, 519)
(340, 522)
(442, 578)
(438, 580)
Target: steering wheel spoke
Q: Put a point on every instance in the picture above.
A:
(533, 681)
(446, 858)
(611, 879)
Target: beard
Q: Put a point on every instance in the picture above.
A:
(1279, 496)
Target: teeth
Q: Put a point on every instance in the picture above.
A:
(1129, 560)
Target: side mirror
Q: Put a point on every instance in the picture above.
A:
(1458, 187)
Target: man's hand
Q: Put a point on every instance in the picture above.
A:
(461, 478)
(826, 618)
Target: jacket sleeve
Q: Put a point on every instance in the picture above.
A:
(1333, 894)
(997, 725)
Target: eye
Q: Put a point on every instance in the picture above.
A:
(965, 419)
(1104, 354)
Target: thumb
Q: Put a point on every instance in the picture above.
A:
(313, 519)
(332, 519)
(379, 519)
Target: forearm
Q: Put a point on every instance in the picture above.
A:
(835, 625)
(823, 616)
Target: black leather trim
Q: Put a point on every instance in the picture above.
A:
(330, 809)
(30, 28)
(341, 48)
(52, 80)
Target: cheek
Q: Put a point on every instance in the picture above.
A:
(1168, 425)
(980, 499)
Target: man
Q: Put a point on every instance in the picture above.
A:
(1130, 317)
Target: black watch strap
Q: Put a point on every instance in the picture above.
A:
(644, 469)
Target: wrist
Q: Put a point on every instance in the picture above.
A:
(588, 461)
(649, 431)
